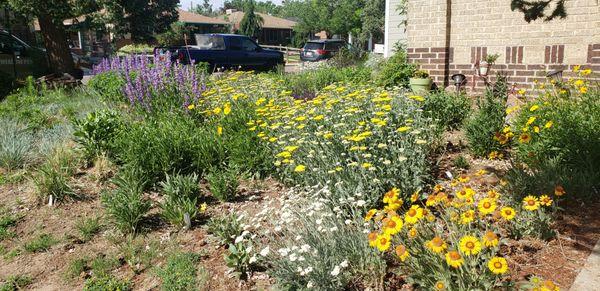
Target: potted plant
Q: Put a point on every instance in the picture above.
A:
(486, 64)
(420, 82)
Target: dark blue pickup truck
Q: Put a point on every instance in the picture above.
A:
(229, 51)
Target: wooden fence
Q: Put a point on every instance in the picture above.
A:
(291, 54)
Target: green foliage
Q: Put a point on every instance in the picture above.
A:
(461, 162)
(482, 126)
(75, 268)
(41, 243)
(180, 273)
(16, 144)
(103, 265)
(16, 282)
(53, 177)
(109, 85)
(324, 251)
(238, 258)
(97, 132)
(138, 254)
(396, 71)
(88, 227)
(181, 194)
(167, 144)
(126, 205)
(106, 283)
(7, 221)
(141, 19)
(225, 228)
(251, 23)
(563, 150)
(223, 183)
(132, 49)
(348, 56)
(305, 85)
(449, 110)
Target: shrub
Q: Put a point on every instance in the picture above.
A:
(181, 199)
(449, 110)
(97, 132)
(53, 177)
(318, 247)
(461, 162)
(126, 205)
(167, 144)
(88, 227)
(557, 137)
(348, 56)
(109, 86)
(106, 283)
(396, 71)
(489, 119)
(41, 243)
(180, 273)
(307, 84)
(223, 183)
(354, 141)
(225, 228)
(16, 144)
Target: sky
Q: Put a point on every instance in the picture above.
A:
(185, 4)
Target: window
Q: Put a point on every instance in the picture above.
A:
(235, 43)
(210, 42)
(334, 46)
(248, 45)
(313, 46)
(6, 44)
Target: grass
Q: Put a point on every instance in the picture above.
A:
(41, 243)
(16, 282)
(7, 221)
(181, 273)
(88, 227)
(76, 267)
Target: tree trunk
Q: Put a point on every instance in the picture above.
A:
(57, 49)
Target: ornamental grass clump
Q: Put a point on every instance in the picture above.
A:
(454, 238)
(181, 199)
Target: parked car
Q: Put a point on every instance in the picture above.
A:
(18, 59)
(317, 50)
(229, 51)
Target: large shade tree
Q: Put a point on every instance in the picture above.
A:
(50, 15)
(141, 19)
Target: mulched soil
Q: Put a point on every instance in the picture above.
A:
(559, 259)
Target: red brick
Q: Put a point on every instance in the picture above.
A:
(428, 56)
(520, 53)
(438, 49)
(561, 53)
(525, 73)
(517, 67)
(422, 50)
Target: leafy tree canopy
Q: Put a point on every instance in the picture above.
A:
(251, 22)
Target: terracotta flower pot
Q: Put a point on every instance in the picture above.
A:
(420, 85)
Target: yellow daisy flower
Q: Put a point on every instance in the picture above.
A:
(545, 200)
(454, 259)
(467, 217)
(402, 252)
(413, 214)
(531, 203)
(490, 239)
(508, 213)
(392, 225)
(470, 245)
(498, 265)
(437, 245)
(383, 242)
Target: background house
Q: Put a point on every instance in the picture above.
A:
(449, 36)
(275, 30)
(201, 23)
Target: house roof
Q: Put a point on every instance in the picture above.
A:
(269, 21)
(190, 17)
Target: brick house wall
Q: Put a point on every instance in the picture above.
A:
(448, 36)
